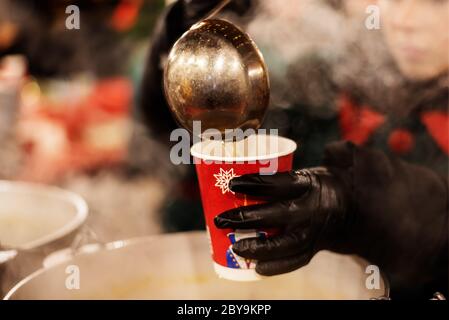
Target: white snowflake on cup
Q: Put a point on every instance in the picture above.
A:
(223, 179)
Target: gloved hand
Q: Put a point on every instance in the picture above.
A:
(392, 213)
(309, 207)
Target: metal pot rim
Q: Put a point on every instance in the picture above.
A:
(146, 239)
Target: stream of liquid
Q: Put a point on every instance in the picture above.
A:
(232, 149)
(229, 149)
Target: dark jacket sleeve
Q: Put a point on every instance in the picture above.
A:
(399, 220)
(152, 107)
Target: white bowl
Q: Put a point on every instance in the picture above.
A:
(32, 215)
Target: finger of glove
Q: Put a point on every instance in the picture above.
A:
(267, 215)
(275, 247)
(282, 185)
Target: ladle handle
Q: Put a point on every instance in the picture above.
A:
(216, 10)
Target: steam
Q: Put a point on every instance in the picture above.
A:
(314, 51)
(288, 34)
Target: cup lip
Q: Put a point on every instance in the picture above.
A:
(290, 147)
(80, 205)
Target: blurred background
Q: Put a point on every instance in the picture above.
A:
(70, 100)
(67, 100)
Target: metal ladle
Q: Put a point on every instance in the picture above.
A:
(216, 74)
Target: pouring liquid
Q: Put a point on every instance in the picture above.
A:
(229, 148)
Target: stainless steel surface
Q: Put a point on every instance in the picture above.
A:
(215, 74)
(29, 211)
(179, 266)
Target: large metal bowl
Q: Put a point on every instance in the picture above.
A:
(179, 266)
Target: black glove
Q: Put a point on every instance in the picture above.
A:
(308, 206)
(389, 212)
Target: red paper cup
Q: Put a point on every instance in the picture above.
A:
(216, 164)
